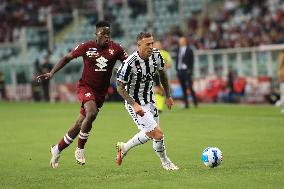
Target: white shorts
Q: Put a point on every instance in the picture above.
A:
(150, 119)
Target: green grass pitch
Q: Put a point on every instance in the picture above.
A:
(250, 137)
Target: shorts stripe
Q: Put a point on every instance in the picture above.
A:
(132, 113)
(146, 123)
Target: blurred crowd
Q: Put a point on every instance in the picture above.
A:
(243, 23)
(235, 23)
(15, 14)
(238, 23)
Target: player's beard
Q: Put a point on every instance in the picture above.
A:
(104, 45)
(149, 53)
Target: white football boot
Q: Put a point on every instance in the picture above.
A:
(120, 153)
(168, 165)
(79, 156)
(55, 155)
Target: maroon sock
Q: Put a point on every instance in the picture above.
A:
(68, 138)
(64, 142)
(83, 137)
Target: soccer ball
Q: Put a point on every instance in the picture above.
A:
(212, 156)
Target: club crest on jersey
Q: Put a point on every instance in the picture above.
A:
(111, 51)
(87, 94)
(101, 63)
(139, 69)
(92, 52)
(147, 77)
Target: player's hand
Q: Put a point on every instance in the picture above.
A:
(169, 102)
(45, 76)
(138, 109)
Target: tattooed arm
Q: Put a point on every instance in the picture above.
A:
(123, 93)
(165, 83)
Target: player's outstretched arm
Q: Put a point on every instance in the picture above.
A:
(165, 83)
(62, 62)
(121, 90)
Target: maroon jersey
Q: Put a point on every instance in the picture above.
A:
(98, 64)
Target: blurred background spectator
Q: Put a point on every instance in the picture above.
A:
(2, 86)
(46, 67)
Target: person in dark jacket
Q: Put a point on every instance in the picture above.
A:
(184, 68)
(46, 67)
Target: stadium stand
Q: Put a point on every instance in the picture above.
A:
(242, 27)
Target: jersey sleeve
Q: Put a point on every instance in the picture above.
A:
(124, 72)
(79, 50)
(161, 61)
(122, 55)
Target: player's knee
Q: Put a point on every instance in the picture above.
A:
(91, 116)
(78, 124)
(159, 135)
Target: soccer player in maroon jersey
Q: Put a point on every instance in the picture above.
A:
(99, 57)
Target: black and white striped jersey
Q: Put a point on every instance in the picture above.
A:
(138, 75)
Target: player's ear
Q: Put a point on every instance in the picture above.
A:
(98, 31)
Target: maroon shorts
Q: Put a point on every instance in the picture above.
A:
(86, 94)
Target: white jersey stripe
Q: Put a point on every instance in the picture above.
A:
(138, 74)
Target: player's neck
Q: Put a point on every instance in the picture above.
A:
(102, 46)
(143, 57)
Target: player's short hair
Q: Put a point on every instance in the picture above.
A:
(101, 24)
(143, 35)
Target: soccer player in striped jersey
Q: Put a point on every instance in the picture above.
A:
(135, 85)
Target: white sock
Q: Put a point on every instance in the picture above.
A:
(138, 139)
(160, 149)
(56, 150)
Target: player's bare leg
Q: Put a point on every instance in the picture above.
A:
(91, 114)
(160, 148)
(65, 141)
